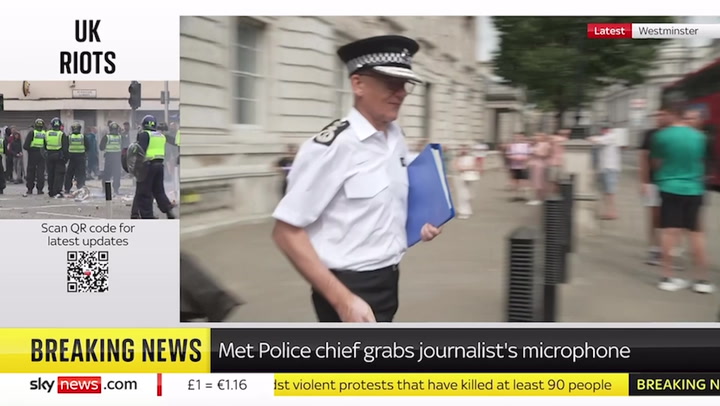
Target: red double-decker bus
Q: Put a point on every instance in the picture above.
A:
(701, 89)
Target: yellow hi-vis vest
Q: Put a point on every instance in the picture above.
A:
(114, 143)
(38, 139)
(156, 146)
(2, 144)
(54, 140)
(77, 144)
(177, 138)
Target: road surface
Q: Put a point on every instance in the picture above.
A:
(14, 206)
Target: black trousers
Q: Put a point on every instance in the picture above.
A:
(76, 170)
(8, 172)
(152, 187)
(113, 169)
(35, 170)
(3, 176)
(378, 288)
(56, 173)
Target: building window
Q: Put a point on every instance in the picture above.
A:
(343, 91)
(246, 71)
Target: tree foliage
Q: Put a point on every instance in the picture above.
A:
(552, 58)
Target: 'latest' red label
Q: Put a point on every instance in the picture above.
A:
(79, 384)
(609, 31)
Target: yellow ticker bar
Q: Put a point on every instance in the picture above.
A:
(110, 350)
(541, 384)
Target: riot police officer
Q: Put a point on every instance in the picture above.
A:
(112, 145)
(35, 146)
(152, 186)
(78, 145)
(56, 146)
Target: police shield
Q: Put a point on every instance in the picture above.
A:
(135, 160)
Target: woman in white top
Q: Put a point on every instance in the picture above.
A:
(465, 166)
(541, 153)
(480, 151)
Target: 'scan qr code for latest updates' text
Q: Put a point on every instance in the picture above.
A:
(87, 271)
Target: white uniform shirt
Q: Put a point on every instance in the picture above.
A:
(351, 196)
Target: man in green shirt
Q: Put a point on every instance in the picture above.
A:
(678, 153)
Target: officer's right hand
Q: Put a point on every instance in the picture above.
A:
(355, 310)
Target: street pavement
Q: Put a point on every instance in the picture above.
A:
(461, 276)
(14, 206)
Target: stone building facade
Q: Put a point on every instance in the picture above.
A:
(250, 86)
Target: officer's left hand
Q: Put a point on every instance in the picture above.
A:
(429, 232)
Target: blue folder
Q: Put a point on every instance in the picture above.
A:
(429, 199)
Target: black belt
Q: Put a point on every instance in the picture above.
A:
(394, 267)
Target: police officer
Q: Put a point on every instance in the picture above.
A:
(56, 147)
(342, 221)
(153, 143)
(78, 145)
(35, 146)
(112, 144)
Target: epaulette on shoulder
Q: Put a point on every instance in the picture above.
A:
(328, 134)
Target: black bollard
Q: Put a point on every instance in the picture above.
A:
(108, 199)
(572, 245)
(567, 192)
(523, 300)
(555, 254)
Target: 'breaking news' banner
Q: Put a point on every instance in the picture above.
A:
(344, 350)
(388, 362)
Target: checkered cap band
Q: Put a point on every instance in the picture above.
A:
(379, 59)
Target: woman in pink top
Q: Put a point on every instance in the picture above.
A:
(538, 167)
(517, 154)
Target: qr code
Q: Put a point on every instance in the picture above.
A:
(87, 271)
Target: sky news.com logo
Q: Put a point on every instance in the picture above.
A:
(79, 384)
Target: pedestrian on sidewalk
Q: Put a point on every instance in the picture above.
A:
(504, 150)
(480, 150)
(16, 148)
(679, 154)
(650, 193)
(538, 166)
(466, 173)
(342, 221)
(609, 167)
(557, 157)
(9, 157)
(518, 153)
